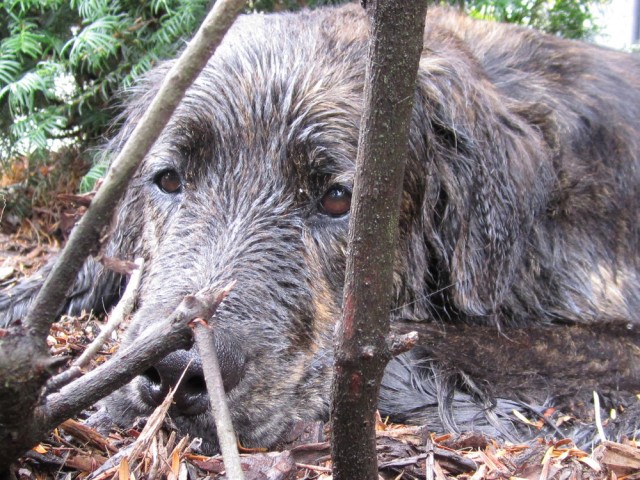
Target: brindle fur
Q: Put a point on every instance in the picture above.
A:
(520, 209)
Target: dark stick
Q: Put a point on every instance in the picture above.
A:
(361, 352)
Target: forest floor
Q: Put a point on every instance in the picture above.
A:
(75, 450)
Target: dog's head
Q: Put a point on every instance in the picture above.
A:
(251, 181)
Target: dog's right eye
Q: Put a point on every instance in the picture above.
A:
(169, 181)
(336, 202)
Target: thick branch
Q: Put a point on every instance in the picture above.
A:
(171, 334)
(361, 351)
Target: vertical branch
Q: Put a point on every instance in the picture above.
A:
(205, 342)
(361, 353)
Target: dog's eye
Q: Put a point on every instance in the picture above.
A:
(336, 201)
(169, 181)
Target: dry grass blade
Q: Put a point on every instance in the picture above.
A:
(142, 445)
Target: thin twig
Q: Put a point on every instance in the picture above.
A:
(122, 309)
(154, 422)
(205, 342)
(170, 334)
(91, 229)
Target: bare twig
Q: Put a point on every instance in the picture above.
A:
(398, 344)
(122, 309)
(171, 334)
(205, 342)
(361, 352)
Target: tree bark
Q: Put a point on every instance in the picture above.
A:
(361, 351)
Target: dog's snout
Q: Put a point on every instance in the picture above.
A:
(190, 397)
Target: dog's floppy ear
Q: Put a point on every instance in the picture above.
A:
(95, 287)
(488, 173)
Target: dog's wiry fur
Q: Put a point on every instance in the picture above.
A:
(520, 208)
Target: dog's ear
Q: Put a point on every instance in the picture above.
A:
(95, 288)
(488, 173)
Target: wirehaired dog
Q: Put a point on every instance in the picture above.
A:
(520, 210)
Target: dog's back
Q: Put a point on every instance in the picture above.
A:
(575, 108)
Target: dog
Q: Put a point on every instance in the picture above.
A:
(520, 212)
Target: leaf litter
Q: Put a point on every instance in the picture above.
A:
(75, 450)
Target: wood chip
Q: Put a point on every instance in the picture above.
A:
(617, 457)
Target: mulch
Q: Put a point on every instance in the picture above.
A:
(75, 450)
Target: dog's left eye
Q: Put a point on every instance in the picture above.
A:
(336, 201)
(169, 181)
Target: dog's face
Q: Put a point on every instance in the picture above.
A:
(251, 182)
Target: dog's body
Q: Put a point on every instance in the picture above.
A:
(520, 209)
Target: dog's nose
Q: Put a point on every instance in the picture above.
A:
(191, 397)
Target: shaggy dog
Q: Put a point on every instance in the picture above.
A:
(520, 213)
